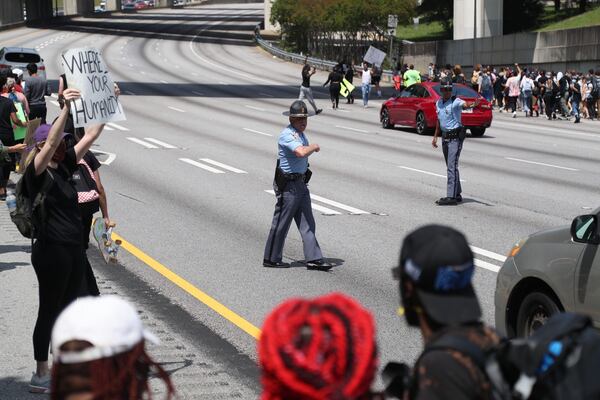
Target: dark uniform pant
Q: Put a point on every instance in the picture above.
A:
(452, 149)
(293, 204)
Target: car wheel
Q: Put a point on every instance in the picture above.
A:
(477, 132)
(421, 124)
(535, 310)
(386, 122)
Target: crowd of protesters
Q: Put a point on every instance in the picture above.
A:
(516, 89)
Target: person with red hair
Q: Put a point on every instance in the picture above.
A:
(319, 349)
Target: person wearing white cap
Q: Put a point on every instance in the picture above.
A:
(98, 348)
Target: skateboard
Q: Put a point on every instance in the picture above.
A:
(103, 235)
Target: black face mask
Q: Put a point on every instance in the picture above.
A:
(59, 154)
(410, 305)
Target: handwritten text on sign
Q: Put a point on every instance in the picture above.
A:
(86, 71)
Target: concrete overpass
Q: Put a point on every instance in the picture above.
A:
(11, 11)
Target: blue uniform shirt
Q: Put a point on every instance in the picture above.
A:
(449, 113)
(289, 140)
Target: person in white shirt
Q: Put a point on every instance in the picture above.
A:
(366, 84)
(527, 91)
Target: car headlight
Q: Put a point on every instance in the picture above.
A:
(517, 247)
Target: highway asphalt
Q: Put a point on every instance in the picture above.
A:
(190, 170)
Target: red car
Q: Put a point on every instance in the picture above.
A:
(140, 5)
(415, 107)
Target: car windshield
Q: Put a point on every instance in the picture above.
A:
(24, 58)
(459, 91)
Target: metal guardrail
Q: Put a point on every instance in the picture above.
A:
(299, 59)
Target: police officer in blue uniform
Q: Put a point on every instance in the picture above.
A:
(293, 198)
(449, 126)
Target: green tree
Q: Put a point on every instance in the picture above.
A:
(438, 10)
(521, 15)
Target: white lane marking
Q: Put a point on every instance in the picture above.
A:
(425, 172)
(266, 94)
(542, 164)
(351, 129)
(223, 83)
(200, 165)
(119, 127)
(224, 166)
(351, 210)
(324, 210)
(489, 254)
(194, 73)
(255, 108)
(111, 156)
(108, 128)
(131, 65)
(162, 81)
(340, 110)
(198, 93)
(142, 72)
(145, 144)
(130, 93)
(486, 265)
(176, 109)
(163, 144)
(55, 103)
(259, 132)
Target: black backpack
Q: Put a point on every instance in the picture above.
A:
(559, 362)
(31, 213)
(595, 86)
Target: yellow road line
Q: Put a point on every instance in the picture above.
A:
(209, 301)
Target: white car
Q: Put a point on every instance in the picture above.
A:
(19, 57)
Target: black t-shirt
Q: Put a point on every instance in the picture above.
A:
(564, 84)
(6, 131)
(63, 222)
(306, 76)
(445, 374)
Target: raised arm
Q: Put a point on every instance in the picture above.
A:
(91, 134)
(44, 157)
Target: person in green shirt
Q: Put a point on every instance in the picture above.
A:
(411, 76)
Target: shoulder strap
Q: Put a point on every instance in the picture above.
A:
(460, 344)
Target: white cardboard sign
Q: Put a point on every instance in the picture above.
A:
(374, 56)
(86, 71)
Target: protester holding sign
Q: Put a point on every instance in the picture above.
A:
(57, 254)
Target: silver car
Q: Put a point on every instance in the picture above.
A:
(550, 271)
(19, 57)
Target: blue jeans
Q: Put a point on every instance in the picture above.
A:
(527, 101)
(575, 104)
(488, 94)
(366, 88)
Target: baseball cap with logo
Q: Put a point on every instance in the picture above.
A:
(110, 324)
(439, 262)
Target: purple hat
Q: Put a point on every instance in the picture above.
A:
(42, 132)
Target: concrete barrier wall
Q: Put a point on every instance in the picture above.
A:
(577, 49)
(11, 12)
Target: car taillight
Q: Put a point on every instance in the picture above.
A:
(485, 106)
(42, 68)
(3, 66)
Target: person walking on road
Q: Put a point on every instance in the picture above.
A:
(36, 90)
(293, 197)
(349, 76)
(512, 85)
(450, 127)
(57, 252)
(526, 86)
(334, 80)
(366, 84)
(376, 79)
(305, 90)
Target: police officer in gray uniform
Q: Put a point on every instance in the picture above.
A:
(449, 110)
(293, 198)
